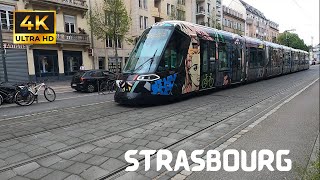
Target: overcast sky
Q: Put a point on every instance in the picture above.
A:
(302, 15)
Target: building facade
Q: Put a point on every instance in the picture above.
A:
(258, 26)
(272, 31)
(233, 21)
(60, 61)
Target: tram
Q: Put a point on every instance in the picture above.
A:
(175, 58)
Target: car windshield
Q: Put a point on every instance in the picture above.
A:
(146, 55)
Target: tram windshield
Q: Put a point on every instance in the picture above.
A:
(147, 53)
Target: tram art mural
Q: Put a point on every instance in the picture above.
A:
(174, 58)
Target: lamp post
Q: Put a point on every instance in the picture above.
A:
(287, 38)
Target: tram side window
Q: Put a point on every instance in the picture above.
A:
(212, 55)
(223, 58)
(253, 57)
(236, 57)
(287, 58)
(204, 55)
(175, 52)
(260, 58)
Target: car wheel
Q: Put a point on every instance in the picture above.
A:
(90, 88)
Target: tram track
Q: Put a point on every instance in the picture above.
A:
(119, 171)
(134, 127)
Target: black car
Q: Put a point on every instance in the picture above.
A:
(89, 80)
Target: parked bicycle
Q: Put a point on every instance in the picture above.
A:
(7, 92)
(29, 93)
(107, 87)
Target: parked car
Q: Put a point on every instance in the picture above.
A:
(89, 80)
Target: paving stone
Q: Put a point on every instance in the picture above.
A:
(86, 148)
(152, 174)
(2, 163)
(94, 172)
(48, 161)
(19, 178)
(37, 152)
(162, 133)
(8, 143)
(69, 154)
(114, 138)
(56, 146)
(132, 176)
(127, 147)
(141, 142)
(114, 153)
(99, 151)
(7, 175)
(39, 173)
(164, 177)
(186, 132)
(74, 177)
(97, 160)
(25, 169)
(155, 145)
(176, 136)
(17, 158)
(56, 175)
(152, 137)
(112, 164)
(167, 141)
(81, 157)
(77, 168)
(102, 143)
(61, 165)
(8, 154)
(179, 177)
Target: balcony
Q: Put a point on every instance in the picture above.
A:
(201, 12)
(157, 14)
(71, 4)
(249, 21)
(72, 38)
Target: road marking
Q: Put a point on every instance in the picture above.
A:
(55, 110)
(250, 127)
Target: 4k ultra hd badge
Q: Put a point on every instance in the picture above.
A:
(34, 27)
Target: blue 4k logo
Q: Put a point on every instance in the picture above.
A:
(163, 86)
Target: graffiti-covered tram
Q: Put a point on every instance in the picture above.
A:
(174, 58)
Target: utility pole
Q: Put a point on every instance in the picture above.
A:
(5, 75)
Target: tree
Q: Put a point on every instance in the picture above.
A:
(110, 19)
(292, 40)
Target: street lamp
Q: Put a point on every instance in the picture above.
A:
(287, 38)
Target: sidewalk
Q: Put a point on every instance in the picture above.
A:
(294, 127)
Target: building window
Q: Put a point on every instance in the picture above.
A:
(6, 17)
(102, 62)
(145, 4)
(72, 62)
(168, 9)
(108, 41)
(208, 7)
(140, 4)
(118, 43)
(181, 15)
(145, 22)
(141, 22)
(69, 24)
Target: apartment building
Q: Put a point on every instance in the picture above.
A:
(258, 26)
(272, 31)
(60, 61)
(233, 21)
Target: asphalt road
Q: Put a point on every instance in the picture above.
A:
(85, 136)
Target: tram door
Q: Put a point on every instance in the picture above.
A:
(208, 64)
(236, 56)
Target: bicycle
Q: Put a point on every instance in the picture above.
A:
(29, 93)
(207, 81)
(107, 87)
(7, 93)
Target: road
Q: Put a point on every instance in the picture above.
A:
(85, 136)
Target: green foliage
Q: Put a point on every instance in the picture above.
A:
(292, 40)
(312, 172)
(109, 19)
